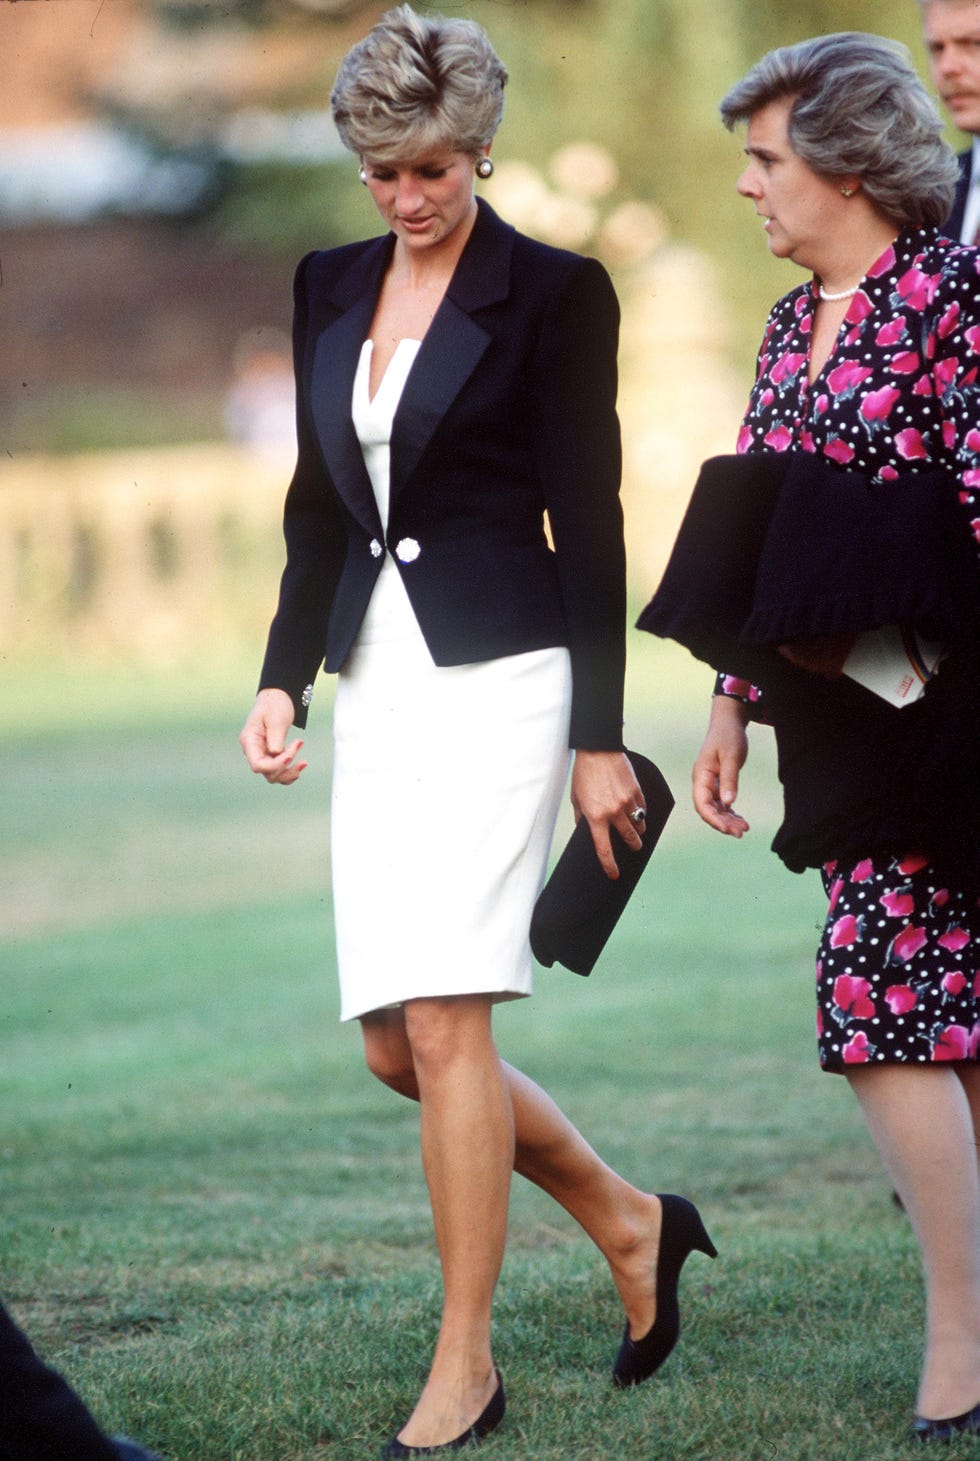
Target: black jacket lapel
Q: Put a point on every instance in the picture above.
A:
(454, 343)
(450, 353)
(335, 359)
(334, 368)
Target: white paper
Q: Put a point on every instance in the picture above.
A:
(894, 662)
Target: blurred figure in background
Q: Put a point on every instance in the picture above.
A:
(858, 482)
(456, 380)
(951, 29)
(259, 408)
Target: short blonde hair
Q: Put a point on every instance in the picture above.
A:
(416, 83)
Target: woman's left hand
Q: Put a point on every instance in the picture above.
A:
(606, 792)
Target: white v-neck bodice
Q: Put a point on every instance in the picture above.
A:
(373, 417)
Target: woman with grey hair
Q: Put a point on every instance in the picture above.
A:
(859, 107)
(455, 381)
(831, 571)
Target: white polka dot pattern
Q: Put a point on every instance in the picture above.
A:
(898, 968)
(901, 384)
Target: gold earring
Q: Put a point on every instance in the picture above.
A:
(848, 192)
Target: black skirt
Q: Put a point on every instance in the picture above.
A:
(862, 777)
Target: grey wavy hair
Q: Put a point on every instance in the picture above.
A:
(859, 108)
(416, 83)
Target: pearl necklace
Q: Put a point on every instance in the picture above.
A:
(831, 298)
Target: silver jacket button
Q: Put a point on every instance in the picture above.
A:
(307, 695)
(376, 548)
(407, 550)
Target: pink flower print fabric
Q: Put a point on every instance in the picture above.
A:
(902, 384)
(898, 967)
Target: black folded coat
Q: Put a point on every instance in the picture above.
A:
(777, 547)
(579, 906)
(781, 546)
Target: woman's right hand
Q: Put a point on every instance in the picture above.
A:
(605, 792)
(263, 739)
(720, 759)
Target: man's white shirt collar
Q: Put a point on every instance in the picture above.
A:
(971, 215)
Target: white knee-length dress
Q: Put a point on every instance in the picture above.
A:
(446, 786)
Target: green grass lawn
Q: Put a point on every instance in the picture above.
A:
(214, 1221)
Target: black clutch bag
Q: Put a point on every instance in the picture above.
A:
(579, 906)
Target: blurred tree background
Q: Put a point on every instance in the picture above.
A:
(163, 163)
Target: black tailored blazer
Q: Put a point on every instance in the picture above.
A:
(508, 413)
(954, 223)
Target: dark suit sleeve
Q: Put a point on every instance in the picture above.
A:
(315, 543)
(579, 462)
(40, 1415)
(953, 226)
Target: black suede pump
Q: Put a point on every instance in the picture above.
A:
(486, 1422)
(943, 1431)
(681, 1232)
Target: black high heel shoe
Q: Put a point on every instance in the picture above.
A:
(681, 1231)
(943, 1431)
(486, 1421)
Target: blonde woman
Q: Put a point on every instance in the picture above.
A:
(455, 382)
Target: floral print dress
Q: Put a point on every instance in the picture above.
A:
(898, 968)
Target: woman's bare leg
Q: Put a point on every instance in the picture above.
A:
(970, 1080)
(922, 1122)
(467, 1132)
(622, 1221)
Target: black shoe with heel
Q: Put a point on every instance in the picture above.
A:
(486, 1422)
(943, 1431)
(681, 1232)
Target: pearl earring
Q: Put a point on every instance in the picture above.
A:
(484, 168)
(363, 176)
